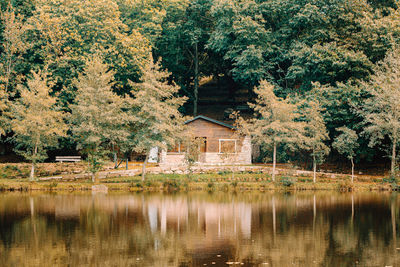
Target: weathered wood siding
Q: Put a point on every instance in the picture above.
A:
(213, 132)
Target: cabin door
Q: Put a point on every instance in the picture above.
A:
(202, 148)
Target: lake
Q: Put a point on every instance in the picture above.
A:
(199, 229)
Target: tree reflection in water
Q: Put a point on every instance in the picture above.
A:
(193, 229)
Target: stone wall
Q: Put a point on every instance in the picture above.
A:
(211, 158)
(173, 159)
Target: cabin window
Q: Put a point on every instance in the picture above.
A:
(227, 145)
(178, 148)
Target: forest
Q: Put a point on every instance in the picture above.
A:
(92, 76)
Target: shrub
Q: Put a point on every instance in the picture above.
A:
(210, 185)
(52, 185)
(345, 186)
(171, 185)
(186, 186)
(134, 184)
(224, 187)
(3, 187)
(234, 184)
(10, 171)
(287, 181)
(224, 172)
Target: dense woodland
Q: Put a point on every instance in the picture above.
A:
(94, 75)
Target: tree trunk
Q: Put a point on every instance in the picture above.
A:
(273, 216)
(352, 170)
(196, 79)
(115, 157)
(314, 169)
(393, 215)
(8, 73)
(93, 177)
(274, 163)
(314, 211)
(393, 167)
(352, 208)
(32, 175)
(144, 165)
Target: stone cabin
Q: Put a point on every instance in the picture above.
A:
(220, 144)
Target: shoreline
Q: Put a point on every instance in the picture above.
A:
(221, 181)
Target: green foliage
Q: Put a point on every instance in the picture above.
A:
(186, 28)
(136, 184)
(211, 186)
(315, 131)
(320, 50)
(10, 171)
(97, 118)
(35, 120)
(13, 45)
(146, 16)
(380, 111)
(234, 184)
(155, 119)
(296, 42)
(192, 153)
(95, 159)
(345, 186)
(66, 33)
(51, 186)
(149, 183)
(327, 64)
(241, 37)
(171, 185)
(287, 181)
(346, 143)
(276, 121)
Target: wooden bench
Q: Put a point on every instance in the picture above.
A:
(68, 158)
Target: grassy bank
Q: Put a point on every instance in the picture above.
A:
(221, 181)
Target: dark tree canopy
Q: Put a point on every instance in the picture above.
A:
(321, 49)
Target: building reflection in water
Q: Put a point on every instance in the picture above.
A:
(199, 228)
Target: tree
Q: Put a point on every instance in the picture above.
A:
(187, 27)
(67, 32)
(296, 42)
(13, 45)
(231, 159)
(97, 119)
(381, 111)
(315, 134)
(156, 120)
(35, 120)
(191, 147)
(242, 38)
(276, 122)
(346, 144)
(146, 16)
(3, 108)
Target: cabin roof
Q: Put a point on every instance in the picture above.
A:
(210, 120)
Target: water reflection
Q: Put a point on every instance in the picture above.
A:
(199, 229)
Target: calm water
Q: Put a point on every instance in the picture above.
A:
(199, 229)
